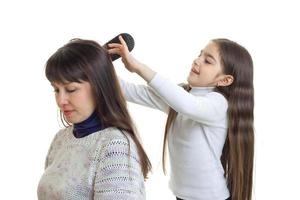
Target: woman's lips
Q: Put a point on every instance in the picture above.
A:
(67, 113)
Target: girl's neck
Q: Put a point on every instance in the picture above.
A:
(201, 90)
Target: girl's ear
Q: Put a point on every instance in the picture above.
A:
(225, 80)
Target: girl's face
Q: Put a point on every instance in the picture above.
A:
(75, 100)
(206, 69)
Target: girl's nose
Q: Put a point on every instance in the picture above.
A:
(196, 62)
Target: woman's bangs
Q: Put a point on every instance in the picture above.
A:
(63, 69)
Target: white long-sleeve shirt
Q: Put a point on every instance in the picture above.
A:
(196, 137)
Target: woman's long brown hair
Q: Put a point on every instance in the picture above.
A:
(238, 151)
(85, 60)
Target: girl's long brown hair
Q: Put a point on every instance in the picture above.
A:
(238, 151)
(85, 60)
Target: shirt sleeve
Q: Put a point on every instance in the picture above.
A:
(207, 109)
(119, 174)
(143, 95)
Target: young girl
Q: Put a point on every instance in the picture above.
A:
(98, 155)
(209, 129)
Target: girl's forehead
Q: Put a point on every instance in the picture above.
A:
(212, 49)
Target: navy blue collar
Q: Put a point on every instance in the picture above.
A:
(90, 125)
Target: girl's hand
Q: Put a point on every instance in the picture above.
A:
(132, 64)
(121, 49)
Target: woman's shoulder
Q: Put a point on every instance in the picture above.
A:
(61, 133)
(116, 142)
(113, 135)
(113, 132)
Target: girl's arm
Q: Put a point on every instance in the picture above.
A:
(206, 109)
(143, 95)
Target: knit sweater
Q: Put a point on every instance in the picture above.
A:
(196, 137)
(104, 165)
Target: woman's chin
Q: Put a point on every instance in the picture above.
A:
(72, 120)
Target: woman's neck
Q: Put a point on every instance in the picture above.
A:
(90, 125)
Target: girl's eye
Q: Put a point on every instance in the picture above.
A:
(56, 90)
(207, 61)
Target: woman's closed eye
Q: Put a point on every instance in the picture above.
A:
(67, 90)
(71, 90)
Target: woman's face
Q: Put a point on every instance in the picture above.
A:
(75, 100)
(206, 68)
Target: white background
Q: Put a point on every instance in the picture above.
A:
(168, 35)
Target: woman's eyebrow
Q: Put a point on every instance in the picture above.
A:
(64, 84)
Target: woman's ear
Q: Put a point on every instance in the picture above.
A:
(225, 80)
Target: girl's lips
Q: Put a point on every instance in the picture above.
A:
(195, 71)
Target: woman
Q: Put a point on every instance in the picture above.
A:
(98, 154)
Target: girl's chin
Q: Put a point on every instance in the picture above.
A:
(190, 81)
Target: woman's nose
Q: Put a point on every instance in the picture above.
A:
(62, 99)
